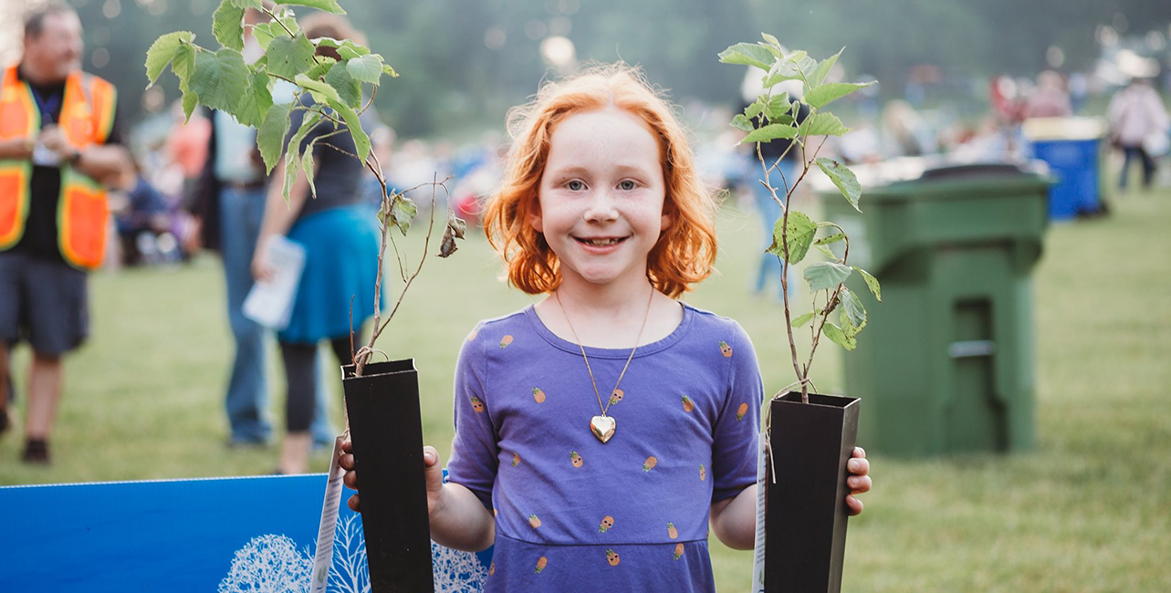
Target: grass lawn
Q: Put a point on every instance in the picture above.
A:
(1089, 510)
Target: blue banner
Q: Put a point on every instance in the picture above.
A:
(255, 534)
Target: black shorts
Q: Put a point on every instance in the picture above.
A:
(44, 302)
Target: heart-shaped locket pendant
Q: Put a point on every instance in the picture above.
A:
(603, 427)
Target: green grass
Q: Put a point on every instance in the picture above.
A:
(1088, 511)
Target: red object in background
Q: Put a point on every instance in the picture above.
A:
(1006, 99)
(469, 208)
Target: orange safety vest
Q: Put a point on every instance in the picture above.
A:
(87, 115)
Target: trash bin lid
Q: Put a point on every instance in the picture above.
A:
(899, 178)
(1044, 129)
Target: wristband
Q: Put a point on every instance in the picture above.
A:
(74, 157)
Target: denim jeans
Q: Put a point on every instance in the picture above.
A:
(241, 212)
(1137, 153)
(770, 268)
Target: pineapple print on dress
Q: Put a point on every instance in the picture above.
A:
(725, 349)
(678, 551)
(607, 523)
(688, 405)
(534, 521)
(492, 568)
(671, 531)
(702, 472)
(650, 463)
(612, 557)
(576, 459)
(617, 396)
(515, 459)
(475, 332)
(538, 395)
(542, 562)
(477, 405)
(741, 411)
(506, 340)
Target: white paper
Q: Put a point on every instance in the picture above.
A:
(270, 303)
(758, 548)
(329, 510)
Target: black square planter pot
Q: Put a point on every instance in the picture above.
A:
(805, 510)
(387, 435)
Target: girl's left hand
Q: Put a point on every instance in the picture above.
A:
(859, 479)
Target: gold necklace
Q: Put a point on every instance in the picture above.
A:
(603, 426)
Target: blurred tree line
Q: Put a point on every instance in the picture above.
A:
(464, 62)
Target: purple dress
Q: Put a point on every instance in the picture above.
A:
(574, 514)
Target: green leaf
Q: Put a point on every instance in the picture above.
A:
(367, 68)
(361, 140)
(289, 56)
(272, 133)
(321, 68)
(770, 132)
(322, 92)
(871, 283)
(293, 154)
(183, 62)
(257, 4)
(799, 231)
(831, 239)
(256, 102)
(387, 70)
(189, 101)
(795, 66)
(826, 252)
(349, 50)
(837, 336)
(742, 123)
(843, 178)
(777, 106)
(823, 68)
(826, 275)
(162, 51)
(266, 32)
(755, 108)
(347, 88)
(402, 212)
(227, 24)
(804, 319)
(825, 94)
(771, 40)
(749, 54)
(326, 5)
(822, 124)
(309, 167)
(220, 79)
(852, 309)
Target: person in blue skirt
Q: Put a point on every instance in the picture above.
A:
(339, 232)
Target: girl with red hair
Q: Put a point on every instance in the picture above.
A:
(602, 209)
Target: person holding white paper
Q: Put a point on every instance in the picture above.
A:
(340, 236)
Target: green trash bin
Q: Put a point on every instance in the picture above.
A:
(946, 364)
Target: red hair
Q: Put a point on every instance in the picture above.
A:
(685, 251)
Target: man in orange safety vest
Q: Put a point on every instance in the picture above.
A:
(59, 142)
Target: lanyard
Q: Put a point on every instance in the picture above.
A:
(47, 106)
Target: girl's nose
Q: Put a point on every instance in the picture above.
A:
(601, 207)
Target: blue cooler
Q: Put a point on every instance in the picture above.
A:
(1071, 146)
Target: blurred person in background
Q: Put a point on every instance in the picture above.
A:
(229, 204)
(1138, 127)
(60, 140)
(1050, 98)
(186, 148)
(339, 232)
(144, 222)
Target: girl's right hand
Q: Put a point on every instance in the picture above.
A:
(432, 472)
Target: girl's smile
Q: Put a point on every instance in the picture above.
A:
(601, 196)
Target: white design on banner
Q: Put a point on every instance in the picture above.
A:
(456, 571)
(272, 564)
(268, 564)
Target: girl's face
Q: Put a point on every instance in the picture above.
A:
(601, 196)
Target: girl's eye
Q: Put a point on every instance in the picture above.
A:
(627, 185)
(575, 185)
